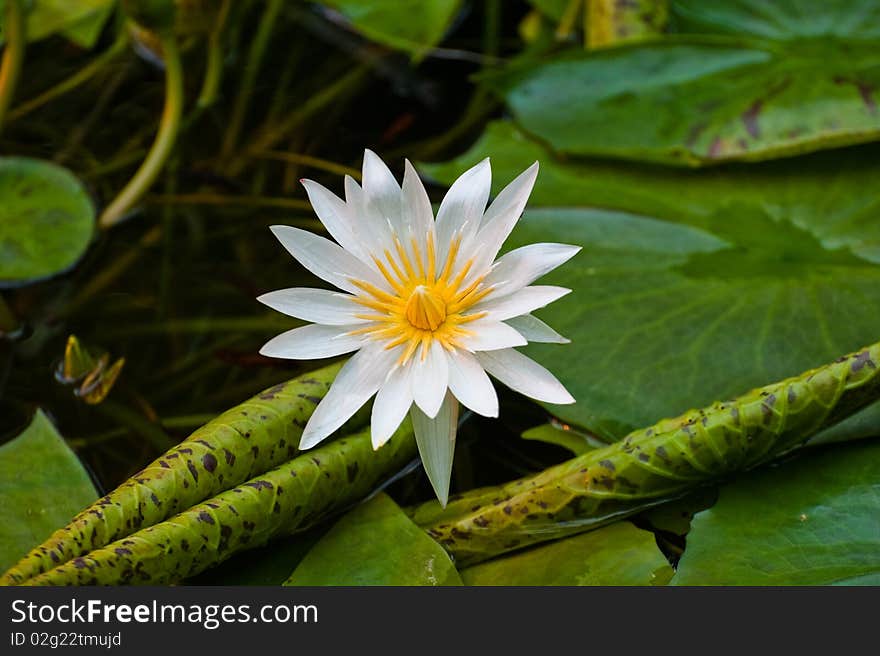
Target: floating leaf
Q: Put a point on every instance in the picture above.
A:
(46, 220)
(375, 544)
(812, 521)
(80, 21)
(769, 83)
(241, 443)
(618, 554)
(412, 25)
(42, 485)
(268, 565)
(696, 285)
(654, 464)
(289, 498)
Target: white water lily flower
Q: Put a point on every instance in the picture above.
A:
(424, 304)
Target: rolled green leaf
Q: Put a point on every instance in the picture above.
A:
(239, 444)
(653, 464)
(287, 499)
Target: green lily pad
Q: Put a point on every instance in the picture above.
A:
(618, 554)
(268, 565)
(42, 486)
(699, 99)
(811, 521)
(375, 544)
(415, 26)
(695, 286)
(80, 21)
(46, 220)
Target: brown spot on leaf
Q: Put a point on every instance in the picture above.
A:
(209, 462)
(750, 119)
(861, 360)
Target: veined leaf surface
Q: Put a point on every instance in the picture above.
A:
(375, 544)
(42, 486)
(46, 220)
(695, 285)
(757, 80)
(617, 554)
(812, 521)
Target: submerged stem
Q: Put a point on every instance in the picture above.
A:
(214, 68)
(252, 67)
(13, 55)
(68, 84)
(165, 138)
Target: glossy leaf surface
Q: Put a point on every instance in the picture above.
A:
(811, 521)
(375, 544)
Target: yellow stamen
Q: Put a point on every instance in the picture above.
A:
(421, 307)
(391, 281)
(432, 257)
(421, 265)
(425, 308)
(404, 259)
(450, 261)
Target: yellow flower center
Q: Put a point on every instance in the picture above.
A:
(425, 305)
(425, 308)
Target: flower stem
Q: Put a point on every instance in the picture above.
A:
(77, 79)
(252, 67)
(214, 68)
(13, 55)
(164, 142)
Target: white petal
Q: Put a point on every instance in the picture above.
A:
(325, 259)
(522, 266)
(372, 230)
(462, 208)
(336, 217)
(491, 335)
(520, 302)
(524, 375)
(430, 377)
(503, 214)
(391, 405)
(470, 384)
(381, 191)
(416, 204)
(316, 305)
(312, 342)
(535, 330)
(356, 382)
(436, 441)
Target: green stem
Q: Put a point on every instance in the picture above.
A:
(66, 85)
(252, 67)
(214, 67)
(13, 55)
(164, 142)
(271, 135)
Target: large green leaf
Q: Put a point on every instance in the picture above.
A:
(618, 554)
(813, 521)
(788, 78)
(80, 21)
(695, 285)
(780, 19)
(46, 220)
(42, 485)
(412, 25)
(376, 544)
